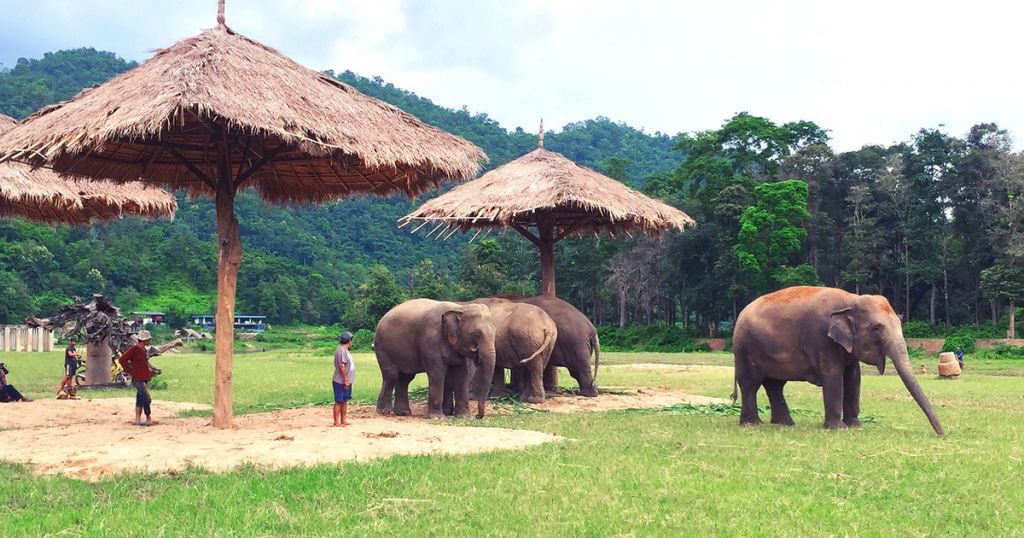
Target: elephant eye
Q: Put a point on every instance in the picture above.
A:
(878, 328)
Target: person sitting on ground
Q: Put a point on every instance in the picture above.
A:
(71, 362)
(135, 362)
(7, 392)
(344, 374)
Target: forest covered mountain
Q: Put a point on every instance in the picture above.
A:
(302, 263)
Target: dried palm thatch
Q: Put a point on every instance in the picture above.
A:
(219, 112)
(41, 195)
(296, 135)
(543, 184)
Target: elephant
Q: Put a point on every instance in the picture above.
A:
(525, 337)
(577, 340)
(818, 334)
(439, 338)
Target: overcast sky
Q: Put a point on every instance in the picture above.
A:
(870, 71)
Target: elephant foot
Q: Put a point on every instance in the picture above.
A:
(852, 422)
(386, 411)
(532, 399)
(462, 414)
(835, 425)
(403, 412)
(750, 421)
(589, 393)
(435, 414)
(783, 421)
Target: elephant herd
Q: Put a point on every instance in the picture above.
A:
(814, 334)
(464, 348)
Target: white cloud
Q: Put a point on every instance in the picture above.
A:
(871, 71)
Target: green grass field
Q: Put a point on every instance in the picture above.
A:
(679, 471)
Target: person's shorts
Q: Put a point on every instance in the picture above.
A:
(70, 369)
(341, 394)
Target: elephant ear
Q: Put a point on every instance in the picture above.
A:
(840, 328)
(450, 321)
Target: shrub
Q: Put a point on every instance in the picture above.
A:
(1002, 352)
(657, 337)
(362, 340)
(962, 338)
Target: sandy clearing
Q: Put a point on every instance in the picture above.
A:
(634, 398)
(104, 442)
(668, 367)
(92, 438)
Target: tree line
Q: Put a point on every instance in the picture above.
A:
(932, 223)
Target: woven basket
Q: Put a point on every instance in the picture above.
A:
(948, 365)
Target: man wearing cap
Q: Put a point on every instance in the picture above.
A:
(135, 362)
(344, 374)
(71, 358)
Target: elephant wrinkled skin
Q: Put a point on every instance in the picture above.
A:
(439, 338)
(577, 340)
(524, 340)
(818, 335)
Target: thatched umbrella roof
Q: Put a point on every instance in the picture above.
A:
(220, 112)
(544, 183)
(41, 195)
(323, 139)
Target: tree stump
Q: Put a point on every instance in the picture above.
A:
(98, 361)
(948, 365)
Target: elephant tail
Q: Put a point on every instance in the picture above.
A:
(595, 345)
(735, 387)
(545, 345)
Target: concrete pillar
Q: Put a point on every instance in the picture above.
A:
(97, 365)
(48, 341)
(33, 339)
(25, 338)
(3, 338)
(8, 344)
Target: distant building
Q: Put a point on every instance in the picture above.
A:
(155, 318)
(245, 323)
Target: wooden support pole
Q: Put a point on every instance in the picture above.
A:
(229, 259)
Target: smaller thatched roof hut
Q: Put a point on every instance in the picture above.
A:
(43, 196)
(545, 185)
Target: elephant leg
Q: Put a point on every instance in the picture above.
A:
(448, 402)
(516, 380)
(832, 393)
(780, 411)
(748, 406)
(402, 408)
(498, 383)
(435, 390)
(458, 378)
(851, 396)
(387, 387)
(533, 391)
(551, 377)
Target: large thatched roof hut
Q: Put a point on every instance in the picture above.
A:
(41, 195)
(220, 112)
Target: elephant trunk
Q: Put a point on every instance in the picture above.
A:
(901, 360)
(484, 375)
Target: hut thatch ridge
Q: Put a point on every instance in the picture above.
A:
(543, 181)
(42, 196)
(304, 136)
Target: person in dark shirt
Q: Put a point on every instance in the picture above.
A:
(71, 361)
(135, 362)
(7, 392)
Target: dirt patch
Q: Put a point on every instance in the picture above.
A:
(668, 367)
(91, 439)
(616, 399)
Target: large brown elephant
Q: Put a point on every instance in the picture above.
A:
(439, 338)
(818, 335)
(524, 339)
(577, 340)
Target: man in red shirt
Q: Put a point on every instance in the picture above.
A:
(135, 362)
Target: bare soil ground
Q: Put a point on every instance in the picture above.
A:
(91, 439)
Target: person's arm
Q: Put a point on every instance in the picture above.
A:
(343, 369)
(126, 360)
